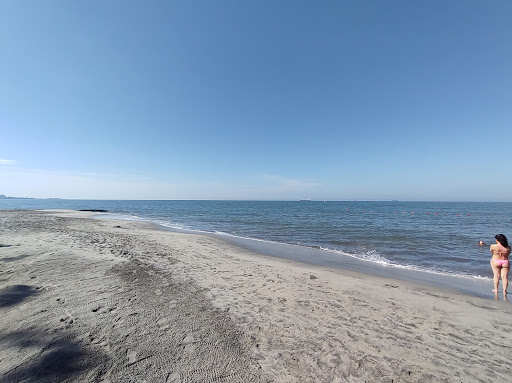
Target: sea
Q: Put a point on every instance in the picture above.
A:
(427, 241)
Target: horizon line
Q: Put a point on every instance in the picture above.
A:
(248, 200)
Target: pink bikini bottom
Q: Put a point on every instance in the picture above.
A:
(500, 262)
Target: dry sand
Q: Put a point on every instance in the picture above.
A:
(90, 300)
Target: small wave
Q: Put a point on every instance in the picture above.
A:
(223, 233)
(121, 217)
(375, 257)
(370, 256)
(172, 225)
(136, 218)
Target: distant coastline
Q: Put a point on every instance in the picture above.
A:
(3, 196)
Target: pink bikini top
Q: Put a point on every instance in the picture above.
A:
(502, 251)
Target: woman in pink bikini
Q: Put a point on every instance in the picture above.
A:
(499, 262)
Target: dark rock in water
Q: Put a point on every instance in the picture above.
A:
(95, 210)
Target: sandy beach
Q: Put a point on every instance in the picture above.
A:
(88, 300)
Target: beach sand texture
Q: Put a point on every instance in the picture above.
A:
(89, 300)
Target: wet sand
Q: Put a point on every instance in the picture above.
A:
(116, 301)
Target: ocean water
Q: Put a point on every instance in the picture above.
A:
(433, 237)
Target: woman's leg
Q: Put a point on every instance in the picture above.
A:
(496, 271)
(504, 278)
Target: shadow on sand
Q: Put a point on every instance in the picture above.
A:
(46, 356)
(15, 294)
(58, 360)
(12, 259)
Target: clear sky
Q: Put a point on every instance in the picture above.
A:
(284, 99)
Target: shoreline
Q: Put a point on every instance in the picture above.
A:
(444, 243)
(167, 306)
(471, 285)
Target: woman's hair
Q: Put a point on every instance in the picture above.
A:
(502, 239)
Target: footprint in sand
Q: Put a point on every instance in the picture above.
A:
(173, 378)
(163, 323)
(131, 355)
(118, 323)
(102, 341)
(105, 310)
(67, 318)
(189, 343)
(209, 295)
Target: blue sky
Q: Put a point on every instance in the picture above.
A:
(336, 100)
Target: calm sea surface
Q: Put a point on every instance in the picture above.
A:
(437, 237)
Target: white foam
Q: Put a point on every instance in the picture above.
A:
(374, 257)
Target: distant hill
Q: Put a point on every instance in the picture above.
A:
(2, 196)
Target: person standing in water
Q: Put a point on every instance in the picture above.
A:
(499, 262)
